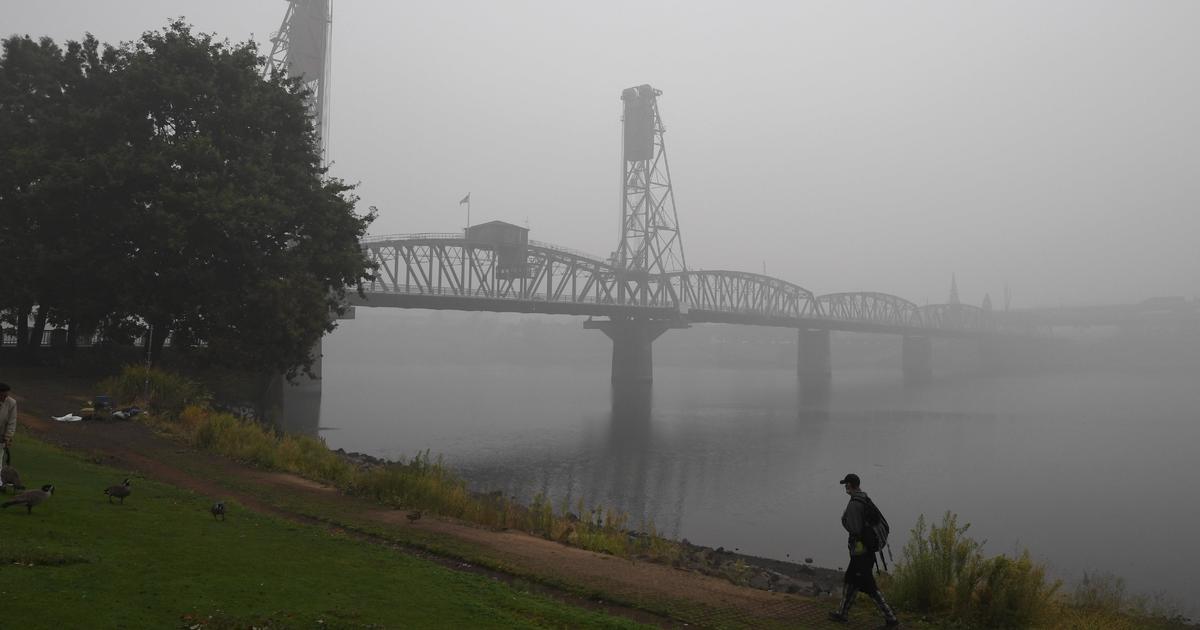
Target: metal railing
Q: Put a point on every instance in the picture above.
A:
(419, 236)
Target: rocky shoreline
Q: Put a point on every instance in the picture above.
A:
(761, 573)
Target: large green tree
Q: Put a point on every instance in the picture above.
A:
(193, 187)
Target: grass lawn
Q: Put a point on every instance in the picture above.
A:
(162, 561)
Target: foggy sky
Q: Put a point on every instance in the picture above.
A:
(847, 146)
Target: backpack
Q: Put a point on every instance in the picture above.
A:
(875, 534)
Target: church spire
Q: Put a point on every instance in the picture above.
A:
(953, 289)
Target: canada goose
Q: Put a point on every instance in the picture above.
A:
(31, 498)
(119, 492)
(218, 509)
(10, 477)
(413, 516)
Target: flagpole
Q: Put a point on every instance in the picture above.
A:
(466, 200)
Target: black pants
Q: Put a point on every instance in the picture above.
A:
(861, 573)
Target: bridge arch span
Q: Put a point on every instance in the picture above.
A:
(872, 307)
(742, 292)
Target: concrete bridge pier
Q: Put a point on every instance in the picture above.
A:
(916, 358)
(296, 407)
(633, 359)
(814, 361)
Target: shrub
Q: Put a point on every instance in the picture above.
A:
(937, 567)
(163, 392)
(1011, 593)
(944, 570)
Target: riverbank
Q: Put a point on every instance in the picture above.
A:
(765, 574)
(158, 559)
(681, 592)
(624, 587)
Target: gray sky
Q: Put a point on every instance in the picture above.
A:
(1054, 146)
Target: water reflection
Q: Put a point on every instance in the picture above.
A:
(625, 460)
(815, 396)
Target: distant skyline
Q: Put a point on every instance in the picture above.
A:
(1050, 147)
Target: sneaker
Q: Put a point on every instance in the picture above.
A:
(838, 617)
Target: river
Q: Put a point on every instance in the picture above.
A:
(1091, 469)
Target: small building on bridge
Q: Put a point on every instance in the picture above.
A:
(507, 240)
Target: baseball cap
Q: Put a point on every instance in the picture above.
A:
(851, 479)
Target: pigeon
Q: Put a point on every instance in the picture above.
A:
(413, 516)
(31, 498)
(218, 509)
(118, 492)
(10, 477)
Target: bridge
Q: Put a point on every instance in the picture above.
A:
(645, 287)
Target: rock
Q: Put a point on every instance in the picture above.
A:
(761, 581)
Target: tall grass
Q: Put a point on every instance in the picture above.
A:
(422, 482)
(164, 392)
(944, 570)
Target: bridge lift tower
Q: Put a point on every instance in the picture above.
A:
(650, 240)
(301, 48)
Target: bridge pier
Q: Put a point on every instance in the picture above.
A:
(916, 358)
(633, 359)
(296, 407)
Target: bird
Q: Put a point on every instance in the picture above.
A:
(10, 477)
(31, 498)
(218, 509)
(413, 516)
(119, 492)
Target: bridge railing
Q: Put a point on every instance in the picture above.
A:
(566, 250)
(418, 236)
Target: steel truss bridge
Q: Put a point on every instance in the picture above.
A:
(452, 271)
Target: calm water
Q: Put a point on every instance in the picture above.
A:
(1091, 471)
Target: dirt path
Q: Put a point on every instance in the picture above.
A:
(700, 599)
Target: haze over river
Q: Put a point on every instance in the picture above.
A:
(1092, 468)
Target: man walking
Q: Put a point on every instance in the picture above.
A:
(859, 576)
(8, 423)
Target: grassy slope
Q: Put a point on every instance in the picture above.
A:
(161, 560)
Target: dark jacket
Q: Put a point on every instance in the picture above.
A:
(854, 519)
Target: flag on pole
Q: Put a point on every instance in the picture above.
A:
(466, 199)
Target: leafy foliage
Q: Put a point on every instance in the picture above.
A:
(190, 186)
(944, 570)
(160, 391)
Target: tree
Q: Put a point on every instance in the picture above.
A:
(202, 183)
(52, 141)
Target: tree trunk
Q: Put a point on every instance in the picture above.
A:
(35, 335)
(72, 330)
(22, 329)
(161, 331)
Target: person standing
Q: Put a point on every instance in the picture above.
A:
(8, 423)
(859, 573)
